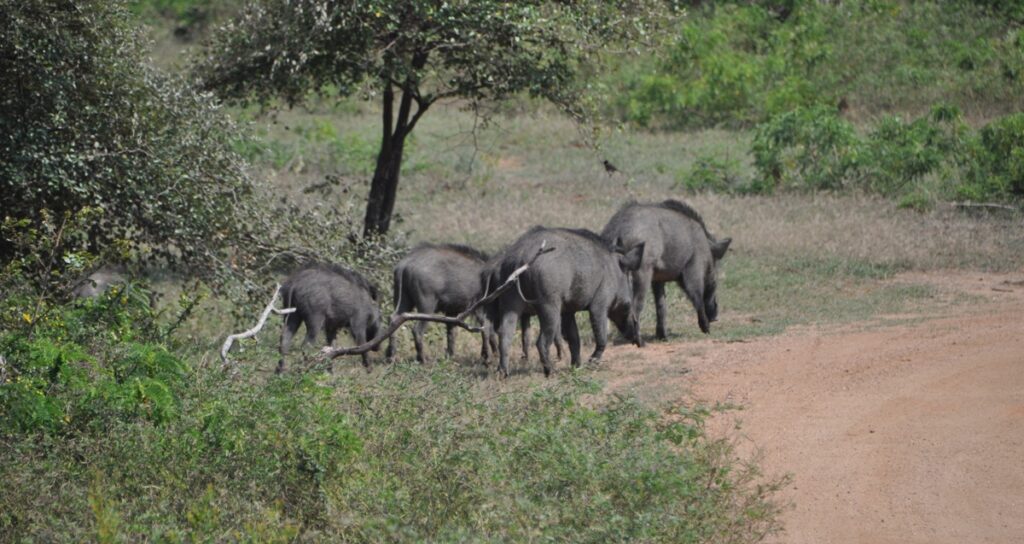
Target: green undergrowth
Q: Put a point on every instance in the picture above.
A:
(739, 63)
(115, 432)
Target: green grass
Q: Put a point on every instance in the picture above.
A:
(409, 453)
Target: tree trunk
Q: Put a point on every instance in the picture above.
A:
(384, 187)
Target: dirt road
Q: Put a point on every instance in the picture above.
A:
(908, 433)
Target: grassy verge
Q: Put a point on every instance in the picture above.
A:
(411, 453)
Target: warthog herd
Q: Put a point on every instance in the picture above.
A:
(608, 274)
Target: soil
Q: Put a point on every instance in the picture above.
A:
(907, 429)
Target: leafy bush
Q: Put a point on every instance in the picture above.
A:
(729, 65)
(898, 154)
(712, 173)
(995, 169)
(413, 454)
(86, 123)
(934, 155)
(807, 148)
(78, 367)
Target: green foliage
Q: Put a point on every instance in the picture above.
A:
(996, 161)
(734, 64)
(86, 124)
(936, 154)
(423, 454)
(807, 148)
(189, 14)
(897, 155)
(79, 367)
(475, 50)
(712, 173)
(739, 63)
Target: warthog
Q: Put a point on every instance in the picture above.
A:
(491, 280)
(328, 297)
(679, 248)
(98, 282)
(442, 278)
(583, 272)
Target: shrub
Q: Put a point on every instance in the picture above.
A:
(712, 173)
(898, 154)
(933, 155)
(995, 169)
(728, 65)
(86, 123)
(421, 454)
(807, 148)
(78, 367)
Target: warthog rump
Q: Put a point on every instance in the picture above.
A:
(583, 272)
(329, 297)
(442, 278)
(677, 247)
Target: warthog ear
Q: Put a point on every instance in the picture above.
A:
(630, 260)
(719, 248)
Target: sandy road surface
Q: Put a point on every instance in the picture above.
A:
(910, 433)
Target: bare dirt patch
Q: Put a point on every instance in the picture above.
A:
(893, 433)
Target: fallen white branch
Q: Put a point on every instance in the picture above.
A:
(259, 325)
(460, 320)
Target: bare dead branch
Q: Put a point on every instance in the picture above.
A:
(460, 320)
(259, 325)
(3, 370)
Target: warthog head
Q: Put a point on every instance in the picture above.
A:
(718, 250)
(623, 313)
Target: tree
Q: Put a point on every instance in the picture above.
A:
(85, 124)
(413, 53)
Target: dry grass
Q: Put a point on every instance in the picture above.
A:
(797, 259)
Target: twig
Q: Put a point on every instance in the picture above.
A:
(3, 370)
(259, 325)
(398, 319)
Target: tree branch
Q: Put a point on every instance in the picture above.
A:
(259, 325)
(460, 320)
(421, 108)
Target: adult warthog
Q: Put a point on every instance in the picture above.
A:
(583, 272)
(441, 278)
(492, 279)
(329, 297)
(679, 248)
